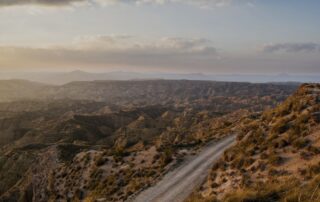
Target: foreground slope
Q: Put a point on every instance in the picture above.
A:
(277, 157)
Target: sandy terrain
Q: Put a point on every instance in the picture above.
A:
(179, 183)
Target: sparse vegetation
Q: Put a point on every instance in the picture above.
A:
(113, 140)
(275, 154)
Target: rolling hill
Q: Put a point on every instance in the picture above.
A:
(107, 140)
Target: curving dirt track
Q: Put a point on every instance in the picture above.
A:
(177, 185)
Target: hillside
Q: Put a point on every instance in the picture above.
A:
(144, 92)
(276, 157)
(165, 91)
(108, 140)
(11, 90)
(134, 145)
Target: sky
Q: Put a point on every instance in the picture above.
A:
(178, 36)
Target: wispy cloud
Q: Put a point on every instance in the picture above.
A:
(199, 3)
(4, 3)
(292, 47)
(124, 43)
(112, 50)
(125, 52)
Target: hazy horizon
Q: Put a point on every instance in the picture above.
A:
(64, 77)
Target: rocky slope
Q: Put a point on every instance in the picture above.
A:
(277, 157)
(108, 140)
(133, 145)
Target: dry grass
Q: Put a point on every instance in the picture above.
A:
(290, 190)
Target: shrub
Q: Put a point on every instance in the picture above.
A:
(196, 197)
(274, 159)
(100, 161)
(282, 143)
(281, 127)
(314, 150)
(166, 157)
(300, 143)
(266, 194)
(305, 155)
(314, 169)
(238, 163)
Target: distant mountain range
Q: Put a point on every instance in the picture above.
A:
(59, 78)
(138, 92)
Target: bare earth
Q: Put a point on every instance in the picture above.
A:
(178, 184)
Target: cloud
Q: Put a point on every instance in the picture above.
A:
(292, 47)
(106, 51)
(200, 3)
(4, 3)
(162, 46)
(132, 53)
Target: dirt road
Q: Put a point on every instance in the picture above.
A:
(179, 183)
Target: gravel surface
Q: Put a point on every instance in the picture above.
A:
(178, 184)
